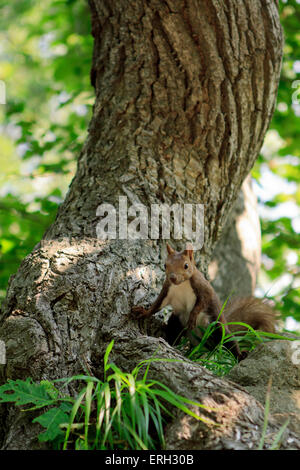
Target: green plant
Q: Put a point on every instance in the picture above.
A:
(124, 411)
(217, 358)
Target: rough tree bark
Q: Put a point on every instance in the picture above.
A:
(185, 90)
(239, 248)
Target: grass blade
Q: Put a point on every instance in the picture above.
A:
(87, 409)
(75, 408)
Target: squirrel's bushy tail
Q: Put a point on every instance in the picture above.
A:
(255, 312)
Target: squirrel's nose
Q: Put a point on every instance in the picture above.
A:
(173, 277)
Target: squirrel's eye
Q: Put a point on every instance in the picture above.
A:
(165, 265)
(186, 266)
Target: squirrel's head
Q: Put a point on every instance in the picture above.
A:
(179, 265)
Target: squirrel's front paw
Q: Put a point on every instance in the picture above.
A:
(140, 312)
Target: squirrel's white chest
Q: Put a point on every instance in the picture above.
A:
(182, 299)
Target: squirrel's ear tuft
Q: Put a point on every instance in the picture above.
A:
(189, 251)
(170, 249)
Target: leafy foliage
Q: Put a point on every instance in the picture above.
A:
(52, 420)
(277, 170)
(125, 411)
(45, 64)
(24, 392)
(217, 358)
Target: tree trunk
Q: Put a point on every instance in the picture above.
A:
(185, 90)
(239, 248)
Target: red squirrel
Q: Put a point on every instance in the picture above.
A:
(195, 303)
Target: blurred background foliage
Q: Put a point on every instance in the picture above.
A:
(277, 177)
(45, 60)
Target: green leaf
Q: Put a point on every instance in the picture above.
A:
(51, 420)
(106, 355)
(25, 392)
